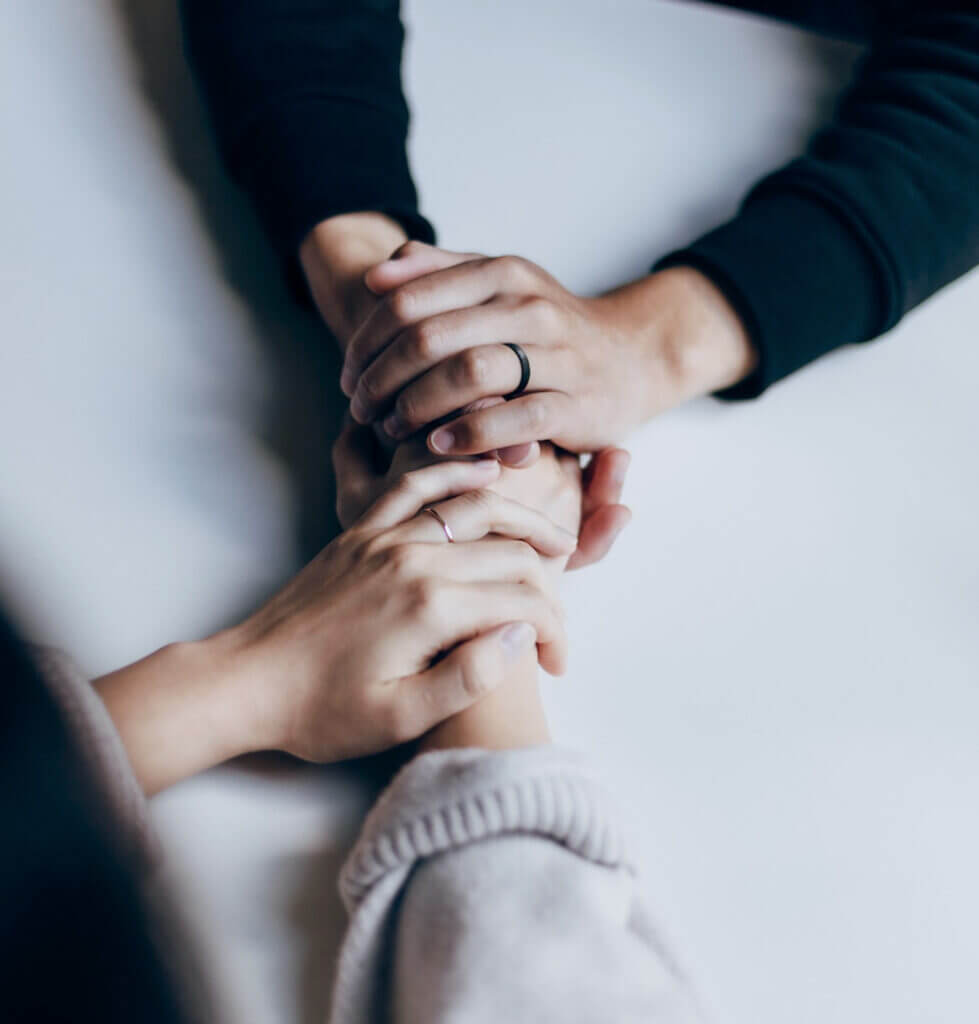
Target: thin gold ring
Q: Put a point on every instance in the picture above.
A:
(446, 529)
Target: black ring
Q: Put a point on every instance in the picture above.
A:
(524, 370)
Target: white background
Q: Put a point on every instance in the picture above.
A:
(779, 665)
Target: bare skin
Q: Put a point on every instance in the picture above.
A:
(389, 631)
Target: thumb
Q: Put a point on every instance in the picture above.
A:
(466, 674)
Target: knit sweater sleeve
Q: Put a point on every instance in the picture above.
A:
(102, 749)
(880, 212)
(306, 103)
(492, 886)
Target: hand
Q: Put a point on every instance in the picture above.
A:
(358, 461)
(513, 714)
(345, 652)
(387, 631)
(335, 257)
(599, 367)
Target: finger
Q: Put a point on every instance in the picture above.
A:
(467, 376)
(519, 456)
(477, 513)
(535, 417)
(428, 342)
(409, 261)
(491, 559)
(604, 478)
(471, 608)
(599, 532)
(464, 676)
(421, 487)
(467, 284)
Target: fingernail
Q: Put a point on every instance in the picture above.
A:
(358, 408)
(517, 639)
(394, 426)
(443, 440)
(348, 381)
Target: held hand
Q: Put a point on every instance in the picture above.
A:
(599, 367)
(594, 510)
(335, 257)
(345, 658)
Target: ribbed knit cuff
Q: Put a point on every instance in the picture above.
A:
(101, 747)
(314, 160)
(800, 274)
(448, 799)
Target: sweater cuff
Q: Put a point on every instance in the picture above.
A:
(316, 161)
(448, 799)
(800, 276)
(102, 749)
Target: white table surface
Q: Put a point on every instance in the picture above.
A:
(779, 665)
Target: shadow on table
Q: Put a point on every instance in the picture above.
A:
(317, 913)
(307, 404)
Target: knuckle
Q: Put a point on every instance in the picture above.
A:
(370, 386)
(401, 304)
(474, 368)
(425, 341)
(408, 407)
(546, 316)
(408, 486)
(374, 548)
(514, 270)
(406, 559)
(425, 597)
(410, 248)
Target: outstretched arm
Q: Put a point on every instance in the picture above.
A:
(878, 214)
(345, 659)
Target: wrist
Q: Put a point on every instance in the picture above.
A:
(181, 710)
(510, 717)
(336, 254)
(690, 340)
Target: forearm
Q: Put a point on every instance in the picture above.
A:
(181, 710)
(335, 256)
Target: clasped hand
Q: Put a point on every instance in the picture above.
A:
(435, 343)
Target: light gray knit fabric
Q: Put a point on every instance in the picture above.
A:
(489, 887)
(485, 887)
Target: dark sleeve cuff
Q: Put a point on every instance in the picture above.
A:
(800, 277)
(327, 156)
